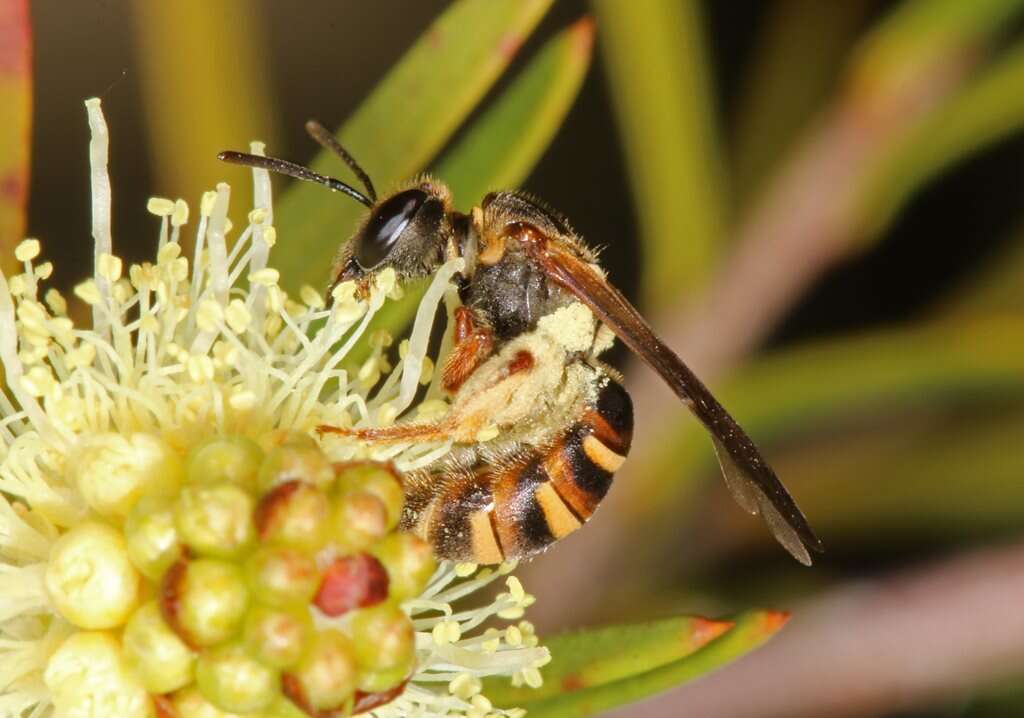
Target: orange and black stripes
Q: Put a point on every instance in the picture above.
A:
(522, 505)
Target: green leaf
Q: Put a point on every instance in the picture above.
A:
(404, 123)
(793, 68)
(927, 476)
(503, 144)
(802, 390)
(661, 87)
(989, 108)
(583, 659)
(192, 115)
(594, 671)
(996, 287)
(15, 126)
(921, 37)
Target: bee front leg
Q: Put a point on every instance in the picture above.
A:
(474, 343)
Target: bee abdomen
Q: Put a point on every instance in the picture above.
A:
(518, 509)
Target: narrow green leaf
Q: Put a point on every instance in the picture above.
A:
(826, 383)
(15, 125)
(584, 659)
(935, 478)
(661, 87)
(751, 630)
(990, 108)
(192, 115)
(996, 287)
(405, 121)
(505, 142)
(794, 66)
(922, 35)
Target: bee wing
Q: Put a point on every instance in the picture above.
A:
(751, 480)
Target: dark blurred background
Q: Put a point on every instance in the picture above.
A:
(323, 60)
(905, 325)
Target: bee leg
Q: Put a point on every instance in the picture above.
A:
(436, 431)
(473, 345)
(468, 416)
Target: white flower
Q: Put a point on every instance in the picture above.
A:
(95, 420)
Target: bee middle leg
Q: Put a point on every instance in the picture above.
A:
(474, 344)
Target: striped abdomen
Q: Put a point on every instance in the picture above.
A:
(523, 504)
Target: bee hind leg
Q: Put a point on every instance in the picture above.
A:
(436, 431)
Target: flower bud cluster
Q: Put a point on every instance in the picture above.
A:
(249, 578)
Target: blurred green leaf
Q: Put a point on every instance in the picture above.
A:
(990, 108)
(584, 659)
(996, 287)
(1005, 699)
(502, 145)
(602, 669)
(661, 87)
(809, 388)
(921, 36)
(407, 119)
(794, 64)
(930, 476)
(192, 115)
(15, 126)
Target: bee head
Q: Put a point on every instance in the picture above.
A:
(405, 231)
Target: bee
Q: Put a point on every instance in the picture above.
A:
(536, 313)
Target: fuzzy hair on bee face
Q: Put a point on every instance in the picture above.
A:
(407, 231)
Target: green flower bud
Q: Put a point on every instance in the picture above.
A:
(90, 578)
(358, 520)
(295, 463)
(231, 459)
(205, 599)
(159, 657)
(87, 677)
(379, 480)
(216, 519)
(384, 681)
(384, 641)
(190, 703)
(233, 680)
(294, 514)
(282, 576)
(152, 537)
(282, 707)
(277, 636)
(112, 471)
(325, 678)
(410, 563)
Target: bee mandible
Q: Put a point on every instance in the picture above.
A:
(536, 313)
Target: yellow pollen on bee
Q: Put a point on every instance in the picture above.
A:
(602, 455)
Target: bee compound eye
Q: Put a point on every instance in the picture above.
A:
(386, 225)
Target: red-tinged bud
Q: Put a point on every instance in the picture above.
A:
(352, 582)
(294, 514)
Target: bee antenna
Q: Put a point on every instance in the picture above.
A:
(293, 170)
(326, 140)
